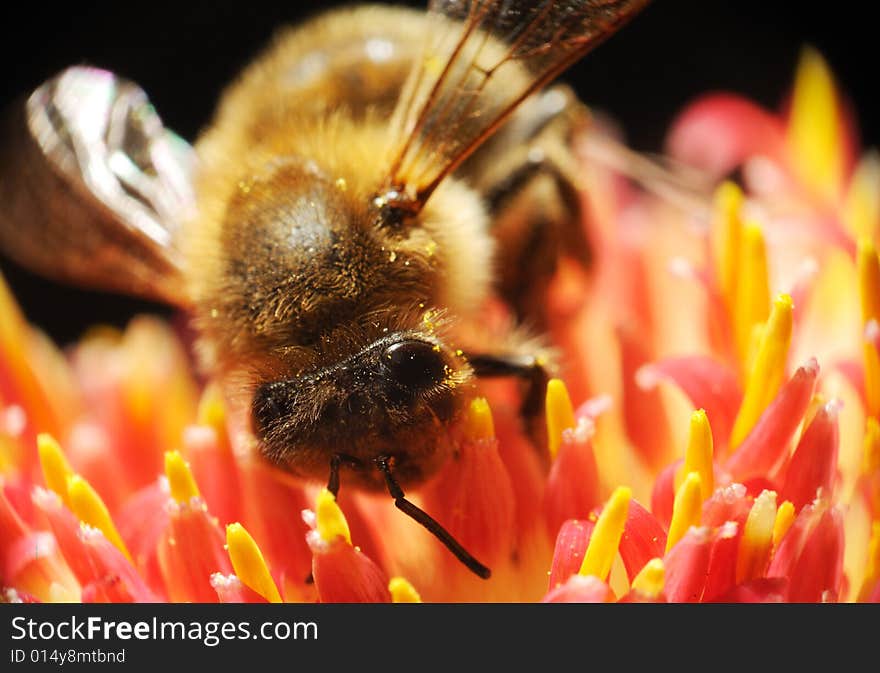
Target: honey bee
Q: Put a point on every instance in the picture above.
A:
(365, 185)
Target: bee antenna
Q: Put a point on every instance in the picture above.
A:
(422, 517)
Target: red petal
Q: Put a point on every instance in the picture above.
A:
(760, 590)
(814, 463)
(17, 491)
(115, 579)
(472, 497)
(573, 483)
(686, 566)
(663, 493)
(792, 543)
(643, 539)
(853, 371)
(214, 468)
(528, 475)
(272, 516)
(709, 385)
(817, 574)
(766, 446)
(646, 424)
(721, 575)
(873, 595)
(65, 527)
(102, 570)
(29, 560)
(720, 131)
(141, 522)
(580, 589)
(191, 550)
(729, 503)
(571, 545)
(12, 527)
(345, 575)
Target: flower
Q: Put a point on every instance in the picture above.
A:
(724, 445)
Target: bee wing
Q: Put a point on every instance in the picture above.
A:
(678, 184)
(93, 188)
(481, 59)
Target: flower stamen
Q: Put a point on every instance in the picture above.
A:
(726, 230)
(180, 478)
(606, 535)
(91, 510)
(56, 469)
(785, 516)
(753, 289)
(869, 280)
(402, 591)
(757, 538)
(698, 455)
(560, 414)
(768, 370)
(871, 447)
(868, 264)
(872, 570)
(686, 510)
(649, 582)
(478, 423)
(862, 206)
(814, 136)
(330, 522)
(249, 564)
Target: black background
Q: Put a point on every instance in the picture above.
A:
(184, 53)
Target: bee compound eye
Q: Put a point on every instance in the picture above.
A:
(415, 364)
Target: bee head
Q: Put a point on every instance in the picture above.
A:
(395, 397)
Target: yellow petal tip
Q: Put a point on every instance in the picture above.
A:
(90, 509)
(402, 591)
(785, 516)
(649, 582)
(180, 478)
(560, 414)
(698, 456)
(248, 563)
(56, 469)
(768, 369)
(726, 238)
(757, 538)
(871, 448)
(687, 508)
(330, 521)
(868, 265)
(606, 535)
(478, 423)
(814, 128)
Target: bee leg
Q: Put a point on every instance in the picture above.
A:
(525, 367)
(538, 221)
(385, 464)
(529, 177)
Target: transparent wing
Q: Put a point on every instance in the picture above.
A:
(684, 186)
(93, 189)
(481, 59)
